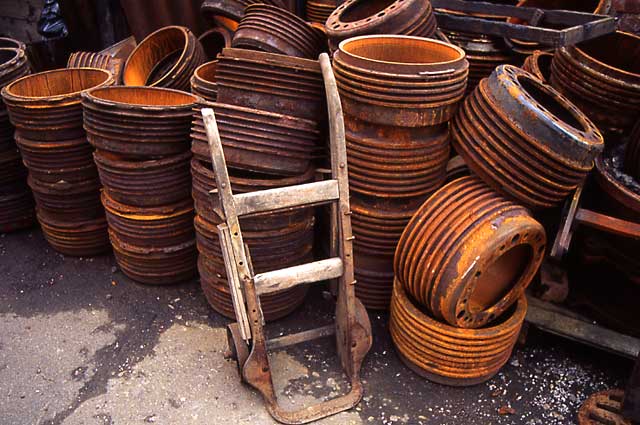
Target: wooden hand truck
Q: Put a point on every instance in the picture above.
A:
(246, 337)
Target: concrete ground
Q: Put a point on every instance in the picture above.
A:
(82, 344)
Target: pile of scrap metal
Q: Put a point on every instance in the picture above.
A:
(459, 161)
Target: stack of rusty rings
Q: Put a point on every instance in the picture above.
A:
(319, 10)
(600, 77)
(259, 141)
(450, 355)
(276, 240)
(203, 82)
(468, 253)
(525, 139)
(361, 17)
(16, 201)
(526, 48)
(620, 201)
(632, 153)
(398, 92)
(232, 9)
(46, 111)
(539, 64)
(165, 58)
(96, 60)
(274, 30)
(271, 82)
(484, 53)
(214, 40)
(141, 136)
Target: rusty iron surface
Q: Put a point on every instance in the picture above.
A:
(318, 11)
(232, 9)
(525, 139)
(603, 408)
(214, 40)
(360, 17)
(600, 77)
(153, 245)
(456, 168)
(539, 64)
(400, 80)
(484, 53)
(96, 60)
(259, 141)
(619, 201)
(632, 153)
(271, 82)
(468, 254)
(203, 82)
(166, 58)
(398, 92)
(274, 30)
(79, 238)
(46, 110)
(46, 106)
(16, 201)
(527, 48)
(143, 183)
(138, 122)
(450, 355)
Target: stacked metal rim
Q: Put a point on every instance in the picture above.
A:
(525, 139)
(618, 196)
(539, 64)
(232, 9)
(363, 17)
(165, 58)
(602, 79)
(446, 354)
(263, 151)
(258, 141)
(96, 60)
(214, 40)
(398, 93)
(203, 82)
(271, 82)
(16, 201)
(468, 253)
(526, 48)
(484, 53)
(275, 240)
(141, 136)
(275, 30)
(46, 111)
(319, 10)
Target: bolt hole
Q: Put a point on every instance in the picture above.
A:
(478, 273)
(515, 239)
(502, 248)
(462, 313)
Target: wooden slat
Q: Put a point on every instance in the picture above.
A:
(300, 337)
(234, 282)
(556, 320)
(282, 279)
(608, 224)
(286, 197)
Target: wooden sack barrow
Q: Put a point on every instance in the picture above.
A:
(246, 337)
